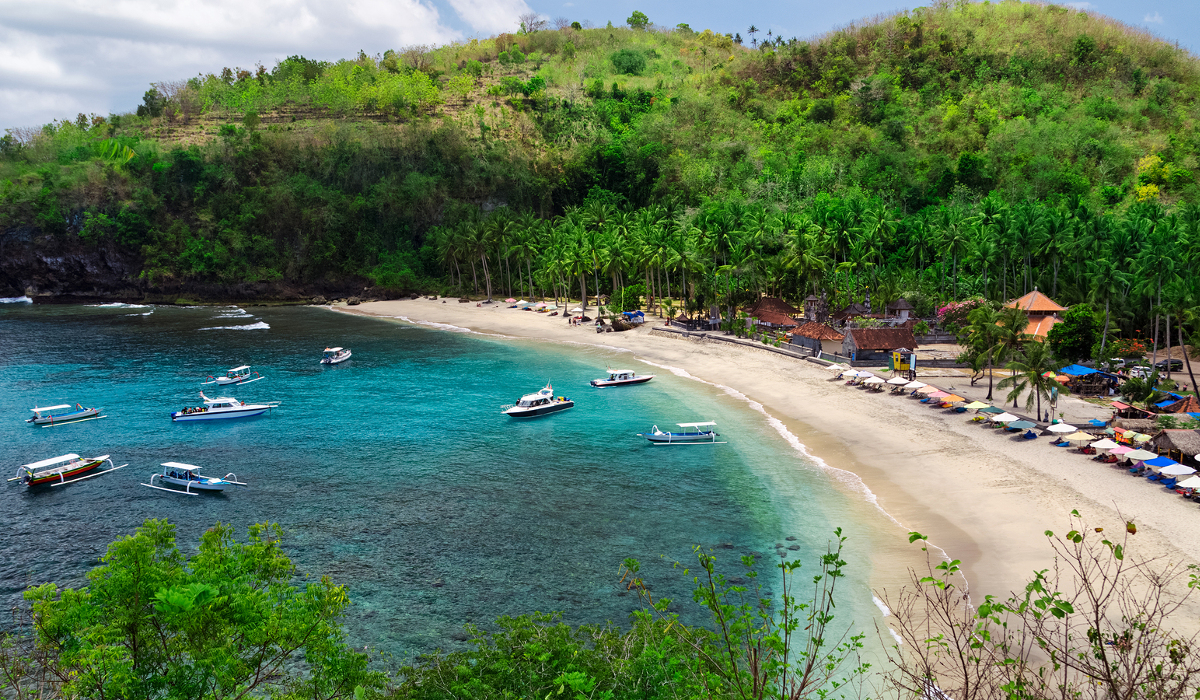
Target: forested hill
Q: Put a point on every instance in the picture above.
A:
(400, 169)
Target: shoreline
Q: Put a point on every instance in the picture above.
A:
(981, 498)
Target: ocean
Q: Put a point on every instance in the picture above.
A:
(395, 472)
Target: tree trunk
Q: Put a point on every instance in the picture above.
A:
(529, 267)
(1104, 336)
(989, 369)
(474, 277)
(1168, 344)
(487, 276)
(583, 292)
(1187, 360)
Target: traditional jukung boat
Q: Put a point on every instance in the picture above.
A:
(65, 469)
(533, 405)
(236, 375)
(697, 434)
(621, 377)
(49, 416)
(188, 477)
(225, 407)
(333, 356)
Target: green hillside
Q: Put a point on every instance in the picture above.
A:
(865, 145)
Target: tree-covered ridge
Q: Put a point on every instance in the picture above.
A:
(925, 120)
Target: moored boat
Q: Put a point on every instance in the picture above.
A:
(64, 413)
(334, 356)
(188, 477)
(621, 377)
(539, 404)
(224, 407)
(63, 469)
(236, 375)
(697, 434)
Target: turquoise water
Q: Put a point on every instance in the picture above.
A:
(394, 472)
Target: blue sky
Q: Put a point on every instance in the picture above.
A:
(62, 57)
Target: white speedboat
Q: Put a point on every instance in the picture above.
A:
(64, 413)
(236, 375)
(698, 433)
(533, 405)
(622, 377)
(334, 356)
(189, 478)
(224, 407)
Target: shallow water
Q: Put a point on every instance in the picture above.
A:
(395, 473)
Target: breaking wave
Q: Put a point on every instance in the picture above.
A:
(16, 300)
(260, 326)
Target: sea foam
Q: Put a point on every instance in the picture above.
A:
(260, 326)
(16, 300)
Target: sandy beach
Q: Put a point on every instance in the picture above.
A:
(984, 497)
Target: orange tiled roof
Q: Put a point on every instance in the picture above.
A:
(1036, 303)
(773, 305)
(1039, 326)
(775, 319)
(817, 331)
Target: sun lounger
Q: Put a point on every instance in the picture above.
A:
(1153, 477)
(1030, 435)
(1169, 483)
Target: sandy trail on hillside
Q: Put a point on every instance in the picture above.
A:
(986, 498)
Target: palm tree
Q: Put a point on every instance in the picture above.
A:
(1033, 370)
(983, 335)
(1012, 325)
(1108, 282)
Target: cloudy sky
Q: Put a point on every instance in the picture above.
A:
(62, 57)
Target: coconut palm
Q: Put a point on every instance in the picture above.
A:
(1033, 371)
(984, 334)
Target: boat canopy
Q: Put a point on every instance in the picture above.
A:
(333, 349)
(50, 408)
(52, 460)
(225, 399)
(695, 425)
(181, 465)
(239, 369)
(620, 371)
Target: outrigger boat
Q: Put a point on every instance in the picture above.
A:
(225, 407)
(189, 477)
(66, 469)
(539, 404)
(66, 413)
(697, 434)
(334, 356)
(621, 377)
(237, 375)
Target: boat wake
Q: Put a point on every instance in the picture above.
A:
(260, 326)
(145, 314)
(16, 300)
(232, 312)
(119, 305)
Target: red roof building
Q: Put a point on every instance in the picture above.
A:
(1042, 312)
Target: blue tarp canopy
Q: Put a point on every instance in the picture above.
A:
(1077, 370)
(1195, 416)
(1160, 462)
(632, 313)
(1168, 402)
(1097, 423)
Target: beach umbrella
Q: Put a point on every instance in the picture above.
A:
(540, 305)
(1140, 455)
(1050, 375)
(1078, 437)
(1104, 444)
(954, 398)
(1062, 379)
(1023, 424)
(510, 301)
(928, 389)
(1120, 450)
(976, 404)
(1003, 418)
(1192, 483)
(1177, 470)
(915, 385)
(1061, 428)
(937, 395)
(1160, 462)
(898, 381)
(874, 380)
(1138, 437)
(991, 409)
(851, 373)
(836, 368)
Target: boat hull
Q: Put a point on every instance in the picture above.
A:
(538, 411)
(335, 360)
(65, 417)
(601, 383)
(194, 484)
(243, 412)
(46, 479)
(680, 437)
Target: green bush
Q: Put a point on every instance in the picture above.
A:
(629, 62)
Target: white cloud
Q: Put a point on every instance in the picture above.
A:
(1155, 18)
(491, 16)
(60, 57)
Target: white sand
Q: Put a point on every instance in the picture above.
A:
(985, 498)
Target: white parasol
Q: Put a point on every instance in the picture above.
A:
(1177, 470)
(1140, 455)
(1003, 418)
(874, 380)
(1062, 428)
(898, 381)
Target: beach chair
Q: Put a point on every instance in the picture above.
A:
(1153, 476)
(1030, 435)
(1169, 483)
(960, 409)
